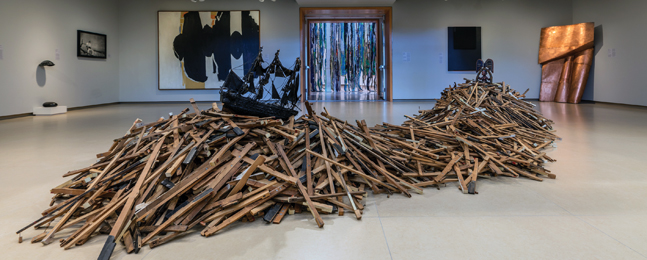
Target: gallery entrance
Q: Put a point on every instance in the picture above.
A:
(346, 54)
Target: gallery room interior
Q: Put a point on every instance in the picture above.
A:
(323, 129)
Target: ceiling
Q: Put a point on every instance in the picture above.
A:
(322, 3)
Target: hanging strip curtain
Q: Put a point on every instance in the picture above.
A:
(351, 56)
(358, 48)
(335, 56)
(318, 48)
(369, 67)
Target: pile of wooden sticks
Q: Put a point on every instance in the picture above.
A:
(487, 130)
(206, 169)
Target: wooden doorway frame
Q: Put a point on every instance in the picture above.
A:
(349, 13)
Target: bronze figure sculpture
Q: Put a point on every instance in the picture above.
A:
(566, 54)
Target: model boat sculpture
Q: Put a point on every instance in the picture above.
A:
(566, 54)
(248, 95)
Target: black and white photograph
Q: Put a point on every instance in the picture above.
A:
(91, 45)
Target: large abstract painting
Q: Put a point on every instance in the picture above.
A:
(197, 49)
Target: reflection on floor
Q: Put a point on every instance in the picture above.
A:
(595, 209)
(344, 96)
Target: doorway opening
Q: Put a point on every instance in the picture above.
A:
(343, 61)
(346, 53)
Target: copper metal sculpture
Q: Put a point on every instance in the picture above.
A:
(566, 54)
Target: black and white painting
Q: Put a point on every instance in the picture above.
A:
(196, 50)
(91, 45)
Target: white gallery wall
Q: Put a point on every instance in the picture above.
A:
(32, 31)
(509, 35)
(620, 51)
(138, 42)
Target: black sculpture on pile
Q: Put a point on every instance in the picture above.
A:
(484, 70)
(245, 96)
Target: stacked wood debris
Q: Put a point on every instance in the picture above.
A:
(484, 130)
(202, 170)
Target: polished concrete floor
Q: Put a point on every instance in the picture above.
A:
(595, 209)
(344, 96)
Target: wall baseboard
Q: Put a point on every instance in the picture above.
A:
(619, 104)
(15, 116)
(164, 102)
(92, 106)
(312, 101)
(416, 100)
(68, 109)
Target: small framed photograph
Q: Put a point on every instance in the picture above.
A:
(91, 45)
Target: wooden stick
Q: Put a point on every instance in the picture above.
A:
(302, 189)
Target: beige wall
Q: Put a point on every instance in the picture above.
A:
(138, 42)
(31, 31)
(510, 32)
(620, 25)
(509, 35)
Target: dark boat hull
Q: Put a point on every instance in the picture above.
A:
(248, 106)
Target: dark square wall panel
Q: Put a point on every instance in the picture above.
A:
(463, 48)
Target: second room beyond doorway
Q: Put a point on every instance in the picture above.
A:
(343, 61)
